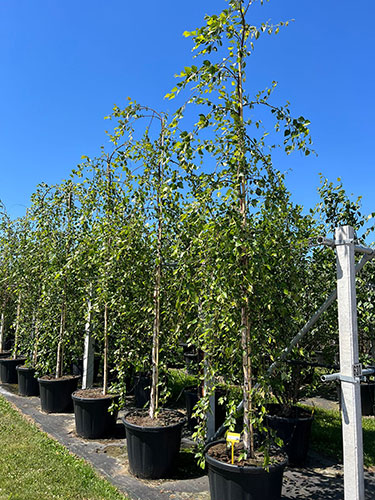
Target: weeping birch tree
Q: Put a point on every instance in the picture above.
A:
(232, 148)
(157, 189)
(7, 243)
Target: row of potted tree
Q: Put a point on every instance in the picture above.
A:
(180, 233)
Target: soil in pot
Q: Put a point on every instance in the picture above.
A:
(56, 393)
(8, 372)
(153, 444)
(5, 354)
(27, 383)
(93, 420)
(293, 426)
(244, 479)
(142, 384)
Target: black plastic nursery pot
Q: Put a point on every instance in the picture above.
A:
(294, 431)
(191, 363)
(142, 384)
(234, 482)
(153, 451)
(191, 399)
(187, 347)
(93, 420)
(368, 398)
(8, 372)
(77, 367)
(220, 410)
(56, 394)
(129, 381)
(5, 354)
(27, 383)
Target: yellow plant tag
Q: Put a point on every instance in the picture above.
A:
(233, 437)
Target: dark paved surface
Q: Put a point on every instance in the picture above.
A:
(319, 480)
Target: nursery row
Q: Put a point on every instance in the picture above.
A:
(187, 234)
(160, 457)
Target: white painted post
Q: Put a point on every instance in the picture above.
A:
(350, 392)
(88, 354)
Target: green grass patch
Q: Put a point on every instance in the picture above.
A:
(326, 436)
(36, 467)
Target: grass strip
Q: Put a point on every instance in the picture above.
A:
(326, 435)
(35, 467)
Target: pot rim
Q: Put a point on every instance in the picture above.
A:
(24, 368)
(192, 388)
(142, 375)
(18, 358)
(92, 400)
(52, 380)
(291, 419)
(152, 429)
(240, 469)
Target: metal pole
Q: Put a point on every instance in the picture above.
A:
(350, 392)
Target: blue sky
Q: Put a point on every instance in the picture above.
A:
(65, 63)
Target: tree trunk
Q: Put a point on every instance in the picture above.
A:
(105, 368)
(60, 350)
(248, 435)
(109, 243)
(2, 325)
(17, 327)
(88, 354)
(155, 347)
(36, 339)
(60, 345)
(2, 331)
(154, 396)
